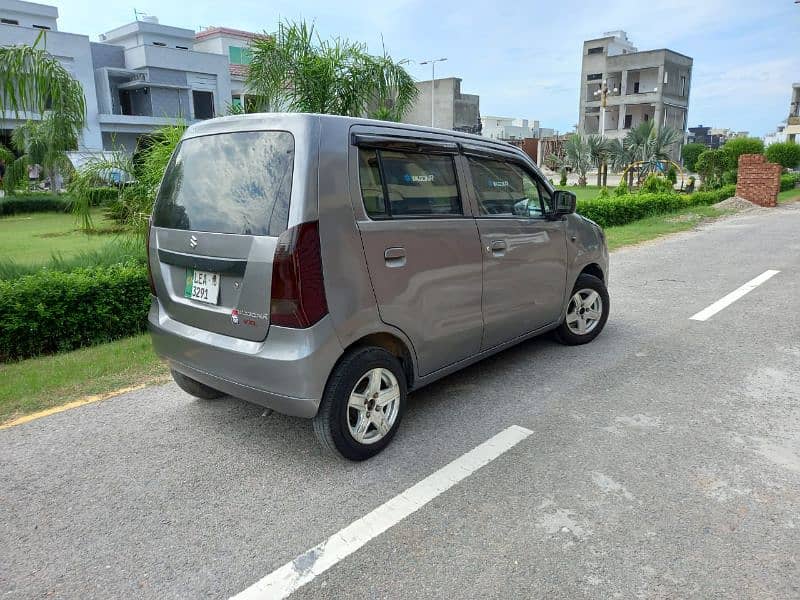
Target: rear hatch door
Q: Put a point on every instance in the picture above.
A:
(222, 204)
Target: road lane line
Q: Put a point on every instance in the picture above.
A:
(303, 569)
(710, 311)
(69, 406)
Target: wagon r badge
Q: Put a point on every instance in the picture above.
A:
(235, 316)
(193, 241)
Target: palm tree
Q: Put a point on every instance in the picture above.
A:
(34, 81)
(645, 146)
(141, 173)
(578, 156)
(46, 143)
(657, 148)
(295, 70)
(598, 153)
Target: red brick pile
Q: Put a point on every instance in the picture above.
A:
(759, 181)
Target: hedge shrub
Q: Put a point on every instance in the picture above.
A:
(789, 181)
(28, 203)
(54, 311)
(786, 154)
(611, 212)
(102, 195)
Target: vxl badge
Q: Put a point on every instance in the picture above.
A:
(193, 241)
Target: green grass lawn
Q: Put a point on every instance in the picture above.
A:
(39, 383)
(35, 237)
(654, 227)
(588, 192)
(789, 196)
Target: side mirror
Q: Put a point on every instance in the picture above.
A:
(564, 203)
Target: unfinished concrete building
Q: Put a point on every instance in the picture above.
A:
(451, 109)
(651, 85)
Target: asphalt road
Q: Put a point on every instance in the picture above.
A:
(664, 463)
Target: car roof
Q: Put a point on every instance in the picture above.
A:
(268, 120)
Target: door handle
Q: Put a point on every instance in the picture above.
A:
(497, 247)
(395, 257)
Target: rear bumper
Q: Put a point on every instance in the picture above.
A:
(287, 372)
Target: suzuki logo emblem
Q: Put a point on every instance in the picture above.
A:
(193, 242)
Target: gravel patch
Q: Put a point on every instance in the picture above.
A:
(738, 204)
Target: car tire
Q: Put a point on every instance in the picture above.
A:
(195, 388)
(363, 404)
(588, 297)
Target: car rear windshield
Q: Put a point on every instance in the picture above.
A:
(229, 183)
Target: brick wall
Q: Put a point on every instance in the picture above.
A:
(759, 181)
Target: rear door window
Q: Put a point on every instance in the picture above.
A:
(417, 184)
(238, 183)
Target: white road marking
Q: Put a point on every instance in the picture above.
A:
(303, 569)
(707, 313)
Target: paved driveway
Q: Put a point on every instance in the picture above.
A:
(664, 462)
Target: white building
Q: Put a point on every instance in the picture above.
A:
(509, 128)
(138, 77)
(235, 44)
(22, 23)
(789, 130)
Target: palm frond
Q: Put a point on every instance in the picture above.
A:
(295, 70)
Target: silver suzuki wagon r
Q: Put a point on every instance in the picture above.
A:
(326, 266)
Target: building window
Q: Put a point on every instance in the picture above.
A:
(159, 44)
(9, 21)
(628, 121)
(595, 50)
(239, 56)
(203, 104)
(683, 85)
(594, 76)
(41, 27)
(666, 76)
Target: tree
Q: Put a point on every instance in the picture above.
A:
(786, 154)
(735, 147)
(34, 81)
(295, 70)
(711, 166)
(645, 146)
(689, 153)
(578, 156)
(46, 143)
(657, 149)
(598, 153)
(143, 171)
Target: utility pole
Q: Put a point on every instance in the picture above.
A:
(432, 62)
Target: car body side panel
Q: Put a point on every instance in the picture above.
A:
(351, 300)
(586, 245)
(523, 286)
(435, 296)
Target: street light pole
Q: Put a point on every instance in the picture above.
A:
(432, 62)
(603, 93)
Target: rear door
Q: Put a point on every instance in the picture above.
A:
(524, 260)
(421, 246)
(222, 203)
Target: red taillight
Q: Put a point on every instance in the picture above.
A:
(298, 291)
(147, 249)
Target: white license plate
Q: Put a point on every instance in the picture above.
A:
(202, 286)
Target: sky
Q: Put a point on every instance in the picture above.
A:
(524, 58)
